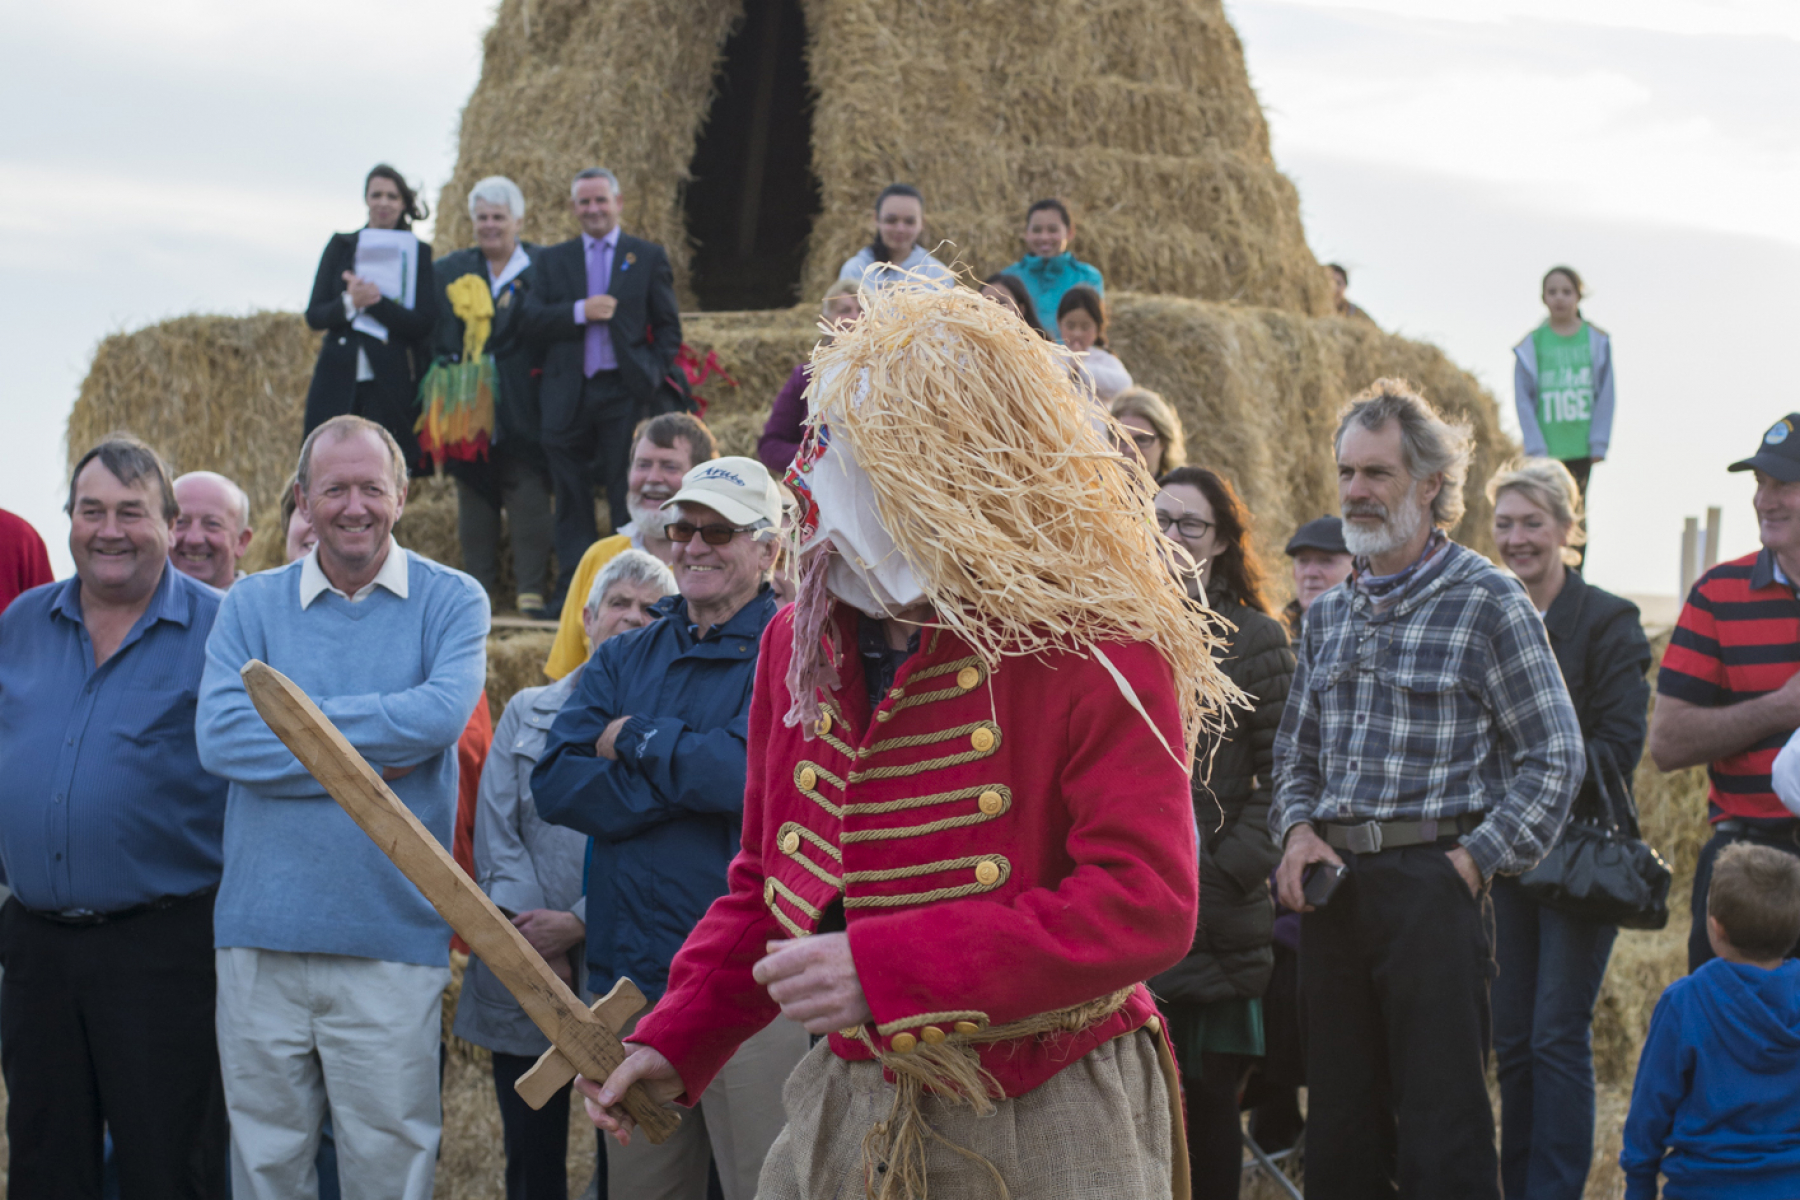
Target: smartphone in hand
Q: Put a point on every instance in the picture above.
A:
(1320, 883)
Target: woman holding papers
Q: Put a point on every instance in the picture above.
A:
(374, 300)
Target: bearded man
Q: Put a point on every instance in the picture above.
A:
(1428, 742)
(967, 830)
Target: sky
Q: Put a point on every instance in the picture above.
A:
(192, 156)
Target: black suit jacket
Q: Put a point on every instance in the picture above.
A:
(645, 328)
(399, 363)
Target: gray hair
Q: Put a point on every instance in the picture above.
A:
(343, 426)
(239, 500)
(596, 173)
(129, 459)
(498, 189)
(630, 566)
(1547, 484)
(1429, 445)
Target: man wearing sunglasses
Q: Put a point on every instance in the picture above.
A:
(648, 757)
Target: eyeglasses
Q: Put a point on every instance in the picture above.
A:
(1192, 528)
(712, 535)
(1143, 440)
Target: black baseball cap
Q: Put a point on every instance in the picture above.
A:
(1327, 534)
(1779, 454)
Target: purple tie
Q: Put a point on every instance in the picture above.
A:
(597, 351)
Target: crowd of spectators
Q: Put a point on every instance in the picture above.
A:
(1419, 726)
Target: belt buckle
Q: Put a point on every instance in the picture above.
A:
(1364, 838)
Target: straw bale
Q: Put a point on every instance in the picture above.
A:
(1138, 113)
(516, 659)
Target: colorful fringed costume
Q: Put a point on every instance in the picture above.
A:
(1005, 834)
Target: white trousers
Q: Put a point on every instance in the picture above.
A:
(735, 1123)
(298, 1032)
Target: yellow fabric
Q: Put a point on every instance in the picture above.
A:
(571, 649)
(473, 303)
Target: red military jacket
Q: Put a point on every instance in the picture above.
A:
(1003, 846)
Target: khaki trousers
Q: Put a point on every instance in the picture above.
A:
(735, 1123)
(300, 1031)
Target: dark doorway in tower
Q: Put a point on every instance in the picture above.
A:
(752, 198)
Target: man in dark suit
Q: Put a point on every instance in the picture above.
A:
(604, 312)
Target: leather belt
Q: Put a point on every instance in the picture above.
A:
(1372, 837)
(1774, 833)
(84, 918)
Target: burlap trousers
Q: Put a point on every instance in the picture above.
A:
(1100, 1129)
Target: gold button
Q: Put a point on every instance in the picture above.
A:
(991, 802)
(790, 843)
(824, 724)
(1153, 1024)
(967, 1027)
(809, 779)
(903, 1043)
(967, 678)
(982, 739)
(850, 1033)
(986, 871)
(932, 1034)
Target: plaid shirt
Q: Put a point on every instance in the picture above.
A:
(1450, 702)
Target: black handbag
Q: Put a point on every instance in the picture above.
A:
(1601, 869)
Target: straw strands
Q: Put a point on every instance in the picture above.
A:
(1138, 113)
(1000, 483)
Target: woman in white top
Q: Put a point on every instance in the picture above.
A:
(1081, 318)
(899, 220)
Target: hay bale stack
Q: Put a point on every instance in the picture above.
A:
(1258, 389)
(1139, 113)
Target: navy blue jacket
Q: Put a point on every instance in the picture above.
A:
(666, 815)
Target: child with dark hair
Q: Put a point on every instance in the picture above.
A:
(1009, 291)
(1081, 318)
(1563, 381)
(1714, 1105)
(1049, 269)
(899, 220)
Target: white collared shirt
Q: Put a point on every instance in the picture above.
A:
(511, 271)
(392, 576)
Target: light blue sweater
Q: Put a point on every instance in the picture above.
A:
(399, 678)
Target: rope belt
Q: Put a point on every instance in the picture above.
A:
(894, 1150)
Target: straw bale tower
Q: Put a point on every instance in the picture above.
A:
(751, 136)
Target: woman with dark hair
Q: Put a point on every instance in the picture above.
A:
(1048, 268)
(1563, 381)
(374, 299)
(899, 220)
(1213, 997)
(1008, 291)
(1081, 316)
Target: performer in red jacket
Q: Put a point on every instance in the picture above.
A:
(968, 834)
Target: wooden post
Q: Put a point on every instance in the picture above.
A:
(1714, 518)
(1690, 538)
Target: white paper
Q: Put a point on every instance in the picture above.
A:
(387, 258)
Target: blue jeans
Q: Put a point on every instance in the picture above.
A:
(1551, 966)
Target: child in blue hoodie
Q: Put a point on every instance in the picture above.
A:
(1716, 1105)
(1049, 268)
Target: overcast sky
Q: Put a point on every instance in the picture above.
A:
(192, 156)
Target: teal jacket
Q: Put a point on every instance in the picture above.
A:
(1048, 278)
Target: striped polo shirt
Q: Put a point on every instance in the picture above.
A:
(1738, 638)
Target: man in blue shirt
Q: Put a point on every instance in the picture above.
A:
(331, 964)
(110, 841)
(648, 757)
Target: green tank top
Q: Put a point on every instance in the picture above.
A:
(1565, 390)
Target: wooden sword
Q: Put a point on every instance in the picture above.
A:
(582, 1039)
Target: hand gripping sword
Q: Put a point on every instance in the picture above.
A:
(582, 1039)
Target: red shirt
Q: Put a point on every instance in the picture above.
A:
(1000, 847)
(471, 754)
(1738, 638)
(24, 563)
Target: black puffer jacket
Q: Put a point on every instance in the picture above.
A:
(1232, 954)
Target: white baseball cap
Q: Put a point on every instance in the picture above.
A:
(738, 489)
